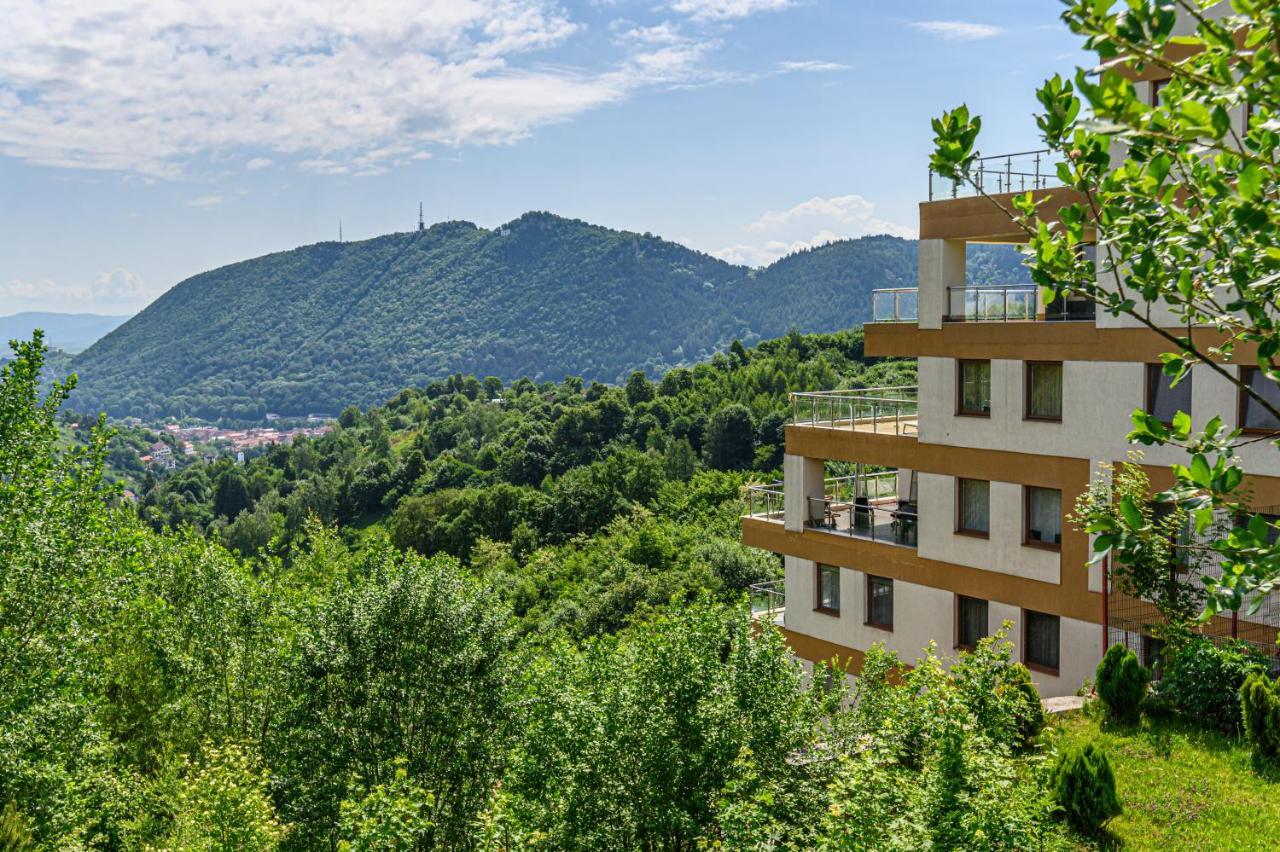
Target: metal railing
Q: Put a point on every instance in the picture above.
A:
(999, 174)
(1014, 303)
(862, 506)
(768, 600)
(897, 304)
(891, 410)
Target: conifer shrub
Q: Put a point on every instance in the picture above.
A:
(1260, 705)
(1122, 682)
(1085, 787)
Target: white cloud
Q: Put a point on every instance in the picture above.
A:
(115, 289)
(148, 86)
(809, 224)
(811, 65)
(957, 30)
(258, 163)
(718, 10)
(206, 201)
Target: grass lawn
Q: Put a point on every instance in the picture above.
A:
(1181, 787)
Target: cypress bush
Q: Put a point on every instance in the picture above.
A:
(1085, 787)
(1260, 705)
(1122, 682)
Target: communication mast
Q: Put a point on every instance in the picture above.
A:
(422, 225)
(339, 230)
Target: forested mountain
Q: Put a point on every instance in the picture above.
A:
(322, 326)
(68, 332)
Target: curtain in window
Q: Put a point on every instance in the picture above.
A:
(975, 505)
(1164, 401)
(1046, 390)
(1042, 640)
(973, 621)
(975, 395)
(1255, 416)
(1044, 515)
(881, 606)
(829, 587)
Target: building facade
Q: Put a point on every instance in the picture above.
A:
(937, 513)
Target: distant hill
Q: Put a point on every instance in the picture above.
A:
(326, 325)
(68, 332)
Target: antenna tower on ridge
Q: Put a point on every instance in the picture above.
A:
(339, 230)
(422, 225)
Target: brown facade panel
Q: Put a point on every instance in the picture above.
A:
(1071, 598)
(978, 219)
(1035, 341)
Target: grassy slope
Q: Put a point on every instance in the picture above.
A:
(1182, 788)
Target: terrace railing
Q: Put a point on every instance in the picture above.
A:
(999, 174)
(1013, 303)
(765, 501)
(887, 410)
(768, 600)
(862, 506)
(898, 304)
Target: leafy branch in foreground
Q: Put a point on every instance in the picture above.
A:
(1187, 222)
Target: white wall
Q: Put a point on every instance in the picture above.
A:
(1003, 551)
(923, 614)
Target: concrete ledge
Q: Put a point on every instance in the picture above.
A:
(1063, 704)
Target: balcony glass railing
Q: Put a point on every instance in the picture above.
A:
(867, 506)
(887, 410)
(899, 304)
(1014, 303)
(999, 174)
(768, 600)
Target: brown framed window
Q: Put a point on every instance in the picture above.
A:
(1163, 399)
(971, 621)
(879, 602)
(973, 388)
(828, 589)
(973, 507)
(1043, 391)
(1042, 517)
(1040, 641)
(1253, 417)
(1157, 91)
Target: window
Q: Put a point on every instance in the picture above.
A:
(1253, 417)
(1164, 401)
(974, 515)
(974, 396)
(1040, 641)
(1152, 649)
(971, 621)
(1043, 513)
(1157, 91)
(1043, 391)
(880, 602)
(828, 589)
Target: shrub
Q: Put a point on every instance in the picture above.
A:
(1260, 700)
(1085, 787)
(1122, 682)
(1202, 680)
(1028, 711)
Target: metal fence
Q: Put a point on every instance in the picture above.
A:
(897, 304)
(1013, 302)
(768, 600)
(890, 410)
(1000, 173)
(765, 501)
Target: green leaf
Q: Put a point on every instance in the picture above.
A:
(1250, 181)
(1199, 471)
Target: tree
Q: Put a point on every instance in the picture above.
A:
(232, 494)
(1189, 213)
(729, 441)
(639, 388)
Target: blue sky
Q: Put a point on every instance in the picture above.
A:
(144, 141)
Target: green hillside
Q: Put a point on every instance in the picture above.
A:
(326, 325)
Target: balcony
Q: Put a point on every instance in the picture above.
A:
(1014, 303)
(1000, 174)
(898, 304)
(882, 411)
(768, 602)
(868, 506)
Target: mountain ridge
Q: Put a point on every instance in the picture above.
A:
(317, 327)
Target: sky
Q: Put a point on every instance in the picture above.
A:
(145, 141)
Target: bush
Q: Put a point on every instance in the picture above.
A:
(1122, 682)
(1202, 680)
(1260, 700)
(1085, 787)
(1028, 712)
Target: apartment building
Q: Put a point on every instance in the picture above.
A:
(939, 512)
